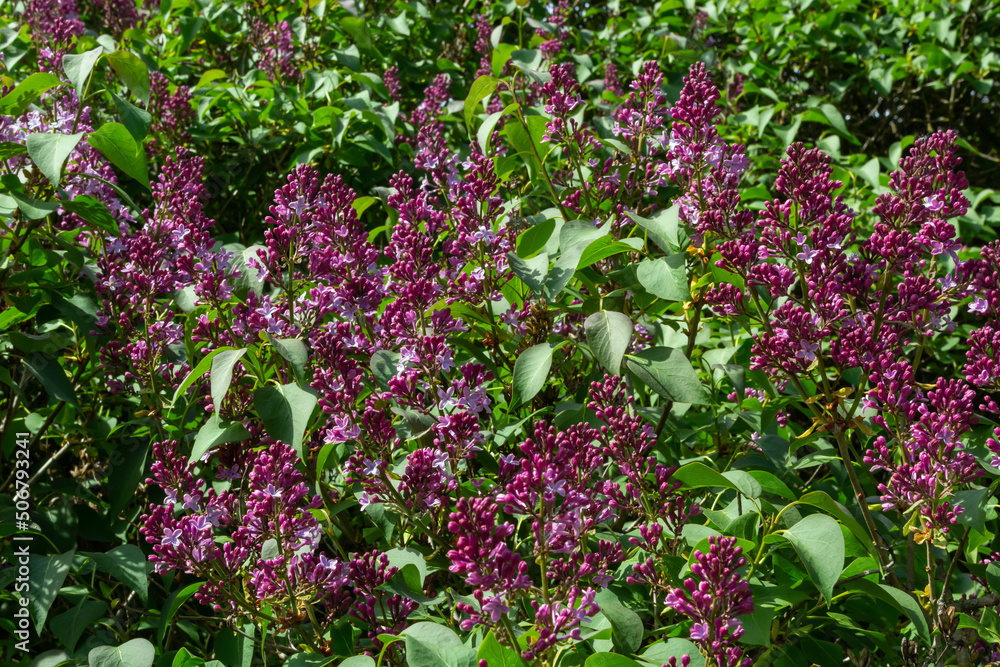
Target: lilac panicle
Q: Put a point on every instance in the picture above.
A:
(713, 599)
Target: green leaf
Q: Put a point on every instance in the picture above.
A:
(16, 101)
(184, 658)
(824, 502)
(605, 247)
(127, 564)
(52, 658)
(496, 654)
(665, 277)
(46, 575)
(527, 142)
(485, 130)
(134, 653)
(215, 433)
(574, 237)
(9, 149)
(501, 56)
(294, 351)
(820, 544)
(93, 211)
(384, 365)
(399, 24)
(974, 504)
(69, 626)
(173, 604)
(530, 371)
(52, 376)
(757, 626)
(745, 482)
(869, 172)
(79, 66)
(358, 30)
(771, 484)
(235, 650)
(249, 278)
(32, 208)
(532, 271)
(663, 227)
(133, 73)
(358, 661)
(669, 373)
(534, 238)
(993, 576)
(115, 142)
(49, 152)
(610, 660)
(285, 410)
(698, 476)
(361, 204)
(198, 371)
(10, 317)
(137, 121)
(626, 626)
(436, 645)
(308, 660)
(415, 563)
(897, 599)
(222, 374)
(881, 80)
(481, 87)
(675, 647)
(126, 475)
(608, 334)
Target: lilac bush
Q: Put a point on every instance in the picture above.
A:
(507, 351)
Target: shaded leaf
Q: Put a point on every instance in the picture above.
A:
(820, 544)
(531, 370)
(46, 575)
(285, 410)
(127, 564)
(52, 376)
(69, 626)
(669, 373)
(133, 73)
(608, 334)
(116, 143)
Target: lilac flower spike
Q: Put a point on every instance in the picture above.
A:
(713, 599)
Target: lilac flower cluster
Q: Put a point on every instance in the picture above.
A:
(139, 268)
(828, 306)
(270, 554)
(276, 50)
(706, 168)
(172, 111)
(54, 23)
(117, 15)
(714, 601)
(555, 32)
